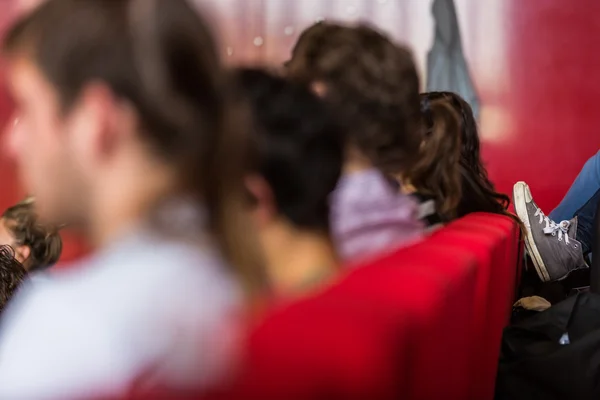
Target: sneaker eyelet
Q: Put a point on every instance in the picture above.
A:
(553, 233)
(560, 239)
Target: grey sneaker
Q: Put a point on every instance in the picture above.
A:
(552, 246)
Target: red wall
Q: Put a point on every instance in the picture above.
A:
(534, 64)
(555, 69)
(9, 192)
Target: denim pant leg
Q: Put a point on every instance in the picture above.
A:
(586, 217)
(582, 189)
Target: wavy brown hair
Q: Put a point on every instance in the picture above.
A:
(371, 82)
(477, 192)
(437, 171)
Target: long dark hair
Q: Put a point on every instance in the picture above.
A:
(437, 171)
(159, 56)
(477, 191)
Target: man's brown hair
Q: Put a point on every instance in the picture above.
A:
(44, 242)
(372, 82)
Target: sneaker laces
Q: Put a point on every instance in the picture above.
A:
(552, 228)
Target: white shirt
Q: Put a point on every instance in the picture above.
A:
(145, 305)
(38, 277)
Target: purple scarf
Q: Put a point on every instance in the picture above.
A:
(368, 216)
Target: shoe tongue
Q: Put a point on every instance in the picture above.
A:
(572, 232)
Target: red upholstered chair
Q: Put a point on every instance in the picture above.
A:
(493, 240)
(418, 301)
(436, 285)
(513, 230)
(506, 265)
(418, 323)
(327, 346)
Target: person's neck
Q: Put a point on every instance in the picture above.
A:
(355, 161)
(125, 198)
(299, 262)
(406, 187)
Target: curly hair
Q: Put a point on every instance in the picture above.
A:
(371, 82)
(12, 274)
(297, 139)
(44, 242)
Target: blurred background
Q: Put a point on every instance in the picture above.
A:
(534, 66)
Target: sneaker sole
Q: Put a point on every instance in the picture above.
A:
(522, 196)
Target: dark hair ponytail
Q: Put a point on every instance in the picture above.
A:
(477, 190)
(437, 172)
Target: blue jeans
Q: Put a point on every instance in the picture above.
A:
(582, 201)
(586, 216)
(583, 188)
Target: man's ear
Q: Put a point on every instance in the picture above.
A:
(105, 120)
(264, 208)
(22, 254)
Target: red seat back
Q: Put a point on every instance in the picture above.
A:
(328, 346)
(493, 239)
(419, 306)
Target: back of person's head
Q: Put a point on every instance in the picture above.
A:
(37, 246)
(134, 83)
(477, 191)
(373, 84)
(437, 171)
(300, 147)
(12, 275)
(469, 135)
